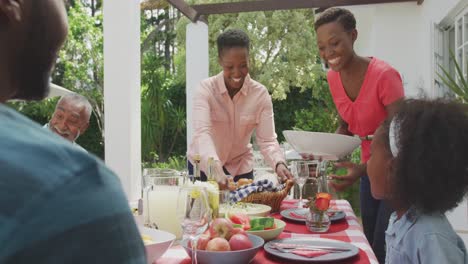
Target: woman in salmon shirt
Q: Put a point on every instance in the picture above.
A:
(227, 108)
(364, 90)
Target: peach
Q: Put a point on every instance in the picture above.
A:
(218, 244)
(221, 227)
(237, 230)
(240, 242)
(203, 241)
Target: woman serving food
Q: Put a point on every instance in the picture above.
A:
(227, 108)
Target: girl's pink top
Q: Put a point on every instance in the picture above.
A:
(382, 86)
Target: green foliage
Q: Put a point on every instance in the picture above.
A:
(283, 52)
(352, 193)
(41, 111)
(80, 69)
(91, 140)
(306, 109)
(321, 115)
(174, 162)
(163, 122)
(458, 83)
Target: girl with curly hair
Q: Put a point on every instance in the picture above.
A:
(419, 164)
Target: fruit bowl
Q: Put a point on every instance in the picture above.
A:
(162, 240)
(270, 234)
(327, 146)
(227, 257)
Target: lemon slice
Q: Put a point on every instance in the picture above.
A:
(147, 239)
(195, 194)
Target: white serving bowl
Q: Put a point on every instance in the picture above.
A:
(227, 257)
(162, 241)
(327, 146)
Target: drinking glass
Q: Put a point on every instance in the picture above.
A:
(301, 174)
(322, 177)
(225, 201)
(193, 214)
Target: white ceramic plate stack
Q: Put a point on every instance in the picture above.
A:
(327, 146)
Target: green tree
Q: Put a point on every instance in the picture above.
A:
(80, 69)
(283, 51)
(163, 97)
(80, 64)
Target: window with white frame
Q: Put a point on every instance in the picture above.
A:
(444, 38)
(450, 37)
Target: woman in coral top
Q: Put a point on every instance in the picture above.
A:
(364, 91)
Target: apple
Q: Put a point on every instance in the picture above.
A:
(220, 227)
(203, 241)
(218, 244)
(237, 230)
(240, 242)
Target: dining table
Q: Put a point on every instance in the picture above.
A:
(348, 230)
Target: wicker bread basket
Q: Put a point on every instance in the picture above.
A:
(272, 199)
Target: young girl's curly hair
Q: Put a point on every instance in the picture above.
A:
(430, 170)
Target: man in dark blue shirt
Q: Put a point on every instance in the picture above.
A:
(57, 203)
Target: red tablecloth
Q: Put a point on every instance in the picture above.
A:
(352, 234)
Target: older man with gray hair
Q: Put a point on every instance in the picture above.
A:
(71, 117)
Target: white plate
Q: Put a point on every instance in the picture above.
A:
(314, 242)
(328, 146)
(250, 209)
(299, 211)
(303, 212)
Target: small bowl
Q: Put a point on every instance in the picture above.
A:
(227, 257)
(270, 234)
(162, 241)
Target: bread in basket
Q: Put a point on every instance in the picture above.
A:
(272, 199)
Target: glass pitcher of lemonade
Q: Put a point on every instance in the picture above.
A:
(160, 192)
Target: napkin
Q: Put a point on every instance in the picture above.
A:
(296, 215)
(310, 253)
(257, 186)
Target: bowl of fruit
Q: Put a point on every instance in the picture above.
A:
(157, 242)
(225, 243)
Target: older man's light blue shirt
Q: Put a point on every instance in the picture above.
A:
(421, 238)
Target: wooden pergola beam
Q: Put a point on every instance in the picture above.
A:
(185, 9)
(271, 5)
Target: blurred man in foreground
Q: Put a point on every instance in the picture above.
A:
(58, 204)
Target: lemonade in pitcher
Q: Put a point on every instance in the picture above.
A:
(160, 197)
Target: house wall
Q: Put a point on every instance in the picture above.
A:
(401, 34)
